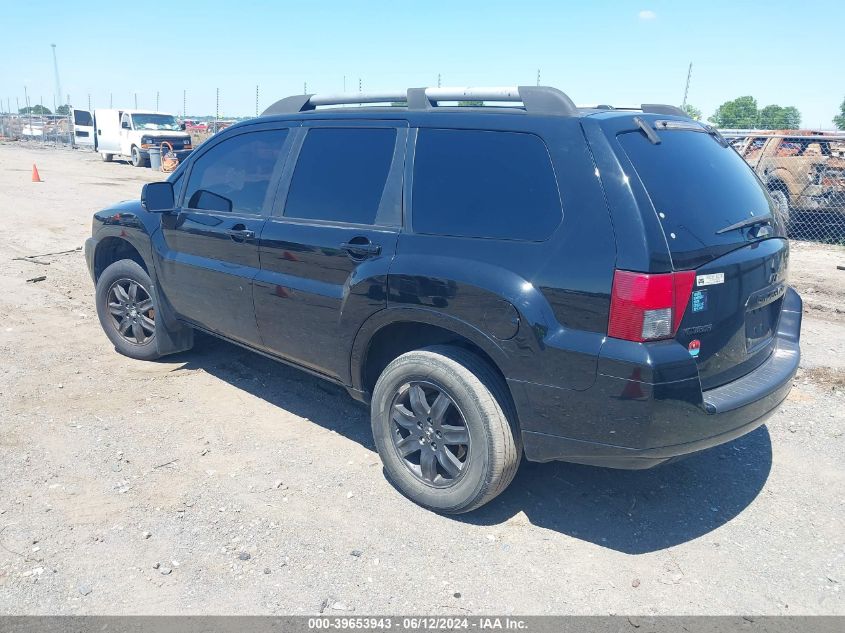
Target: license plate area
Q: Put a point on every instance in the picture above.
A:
(761, 318)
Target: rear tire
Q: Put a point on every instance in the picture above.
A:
(107, 158)
(127, 310)
(454, 445)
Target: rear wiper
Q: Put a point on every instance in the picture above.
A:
(753, 221)
(648, 130)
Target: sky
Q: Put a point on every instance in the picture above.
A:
(621, 52)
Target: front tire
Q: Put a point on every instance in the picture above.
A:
(107, 158)
(127, 310)
(443, 425)
(781, 200)
(136, 158)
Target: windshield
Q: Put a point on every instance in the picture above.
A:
(155, 122)
(697, 187)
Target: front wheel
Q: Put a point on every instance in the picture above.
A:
(444, 428)
(127, 310)
(136, 158)
(781, 200)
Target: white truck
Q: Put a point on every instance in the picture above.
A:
(129, 133)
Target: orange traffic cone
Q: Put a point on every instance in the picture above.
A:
(35, 176)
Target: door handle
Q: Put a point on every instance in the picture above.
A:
(240, 234)
(360, 251)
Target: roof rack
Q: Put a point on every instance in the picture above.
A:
(535, 99)
(648, 108)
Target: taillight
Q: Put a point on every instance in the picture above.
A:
(648, 307)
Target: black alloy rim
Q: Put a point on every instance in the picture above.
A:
(429, 433)
(131, 310)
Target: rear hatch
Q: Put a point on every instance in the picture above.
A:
(719, 222)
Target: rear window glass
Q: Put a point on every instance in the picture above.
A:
(697, 187)
(82, 117)
(472, 183)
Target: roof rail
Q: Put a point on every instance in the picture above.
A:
(648, 108)
(535, 99)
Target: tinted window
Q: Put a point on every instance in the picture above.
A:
(340, 175)
(697, 186)
(234, 175)
(484, 184)
(81, 117)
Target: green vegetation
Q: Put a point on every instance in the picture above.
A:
(38, 109)
(839, 119)
(743, 113)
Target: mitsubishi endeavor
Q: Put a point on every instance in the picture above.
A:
(523, 277)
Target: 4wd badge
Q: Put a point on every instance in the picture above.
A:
(694, 347)
(710, 280)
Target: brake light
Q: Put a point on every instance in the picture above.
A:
(648, 307)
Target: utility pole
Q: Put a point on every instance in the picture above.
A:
(29, 110)
(360, 86)
(305, 87)
(256, 100)
(217, 110)
(538, 76)
(136, 100)
(184, 103)
(686, 88)
(110, 101)
(156, 100)
(89, 102)
(56, 70)
(344, 83)
(438, 80)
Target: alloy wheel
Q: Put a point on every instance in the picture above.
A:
(429, 433)
(131, 310)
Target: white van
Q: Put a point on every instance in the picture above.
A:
(131, 133)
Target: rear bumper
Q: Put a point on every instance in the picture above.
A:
(633, 424)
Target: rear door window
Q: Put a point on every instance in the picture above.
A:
(484, 184)
(234, 174)
(697, 188)
(82, 117)
(340, 174)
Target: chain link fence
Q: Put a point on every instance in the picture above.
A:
(48, 129)
(804, 172)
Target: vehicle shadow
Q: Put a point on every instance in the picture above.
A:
(634, 512)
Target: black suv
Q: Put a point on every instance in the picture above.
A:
(596, 285)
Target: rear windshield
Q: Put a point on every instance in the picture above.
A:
(697, 187)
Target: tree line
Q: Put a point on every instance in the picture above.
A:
(743, 113)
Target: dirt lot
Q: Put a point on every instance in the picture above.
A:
(219, 482)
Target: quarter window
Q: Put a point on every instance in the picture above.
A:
(473, 183)
(234, 174)
(340, 174)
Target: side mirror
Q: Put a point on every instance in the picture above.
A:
(182, 126)
(157, 197)
(125, 125)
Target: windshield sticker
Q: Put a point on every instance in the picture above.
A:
(699, 301)
(710, 280)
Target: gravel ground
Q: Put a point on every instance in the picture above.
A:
(219, 482)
